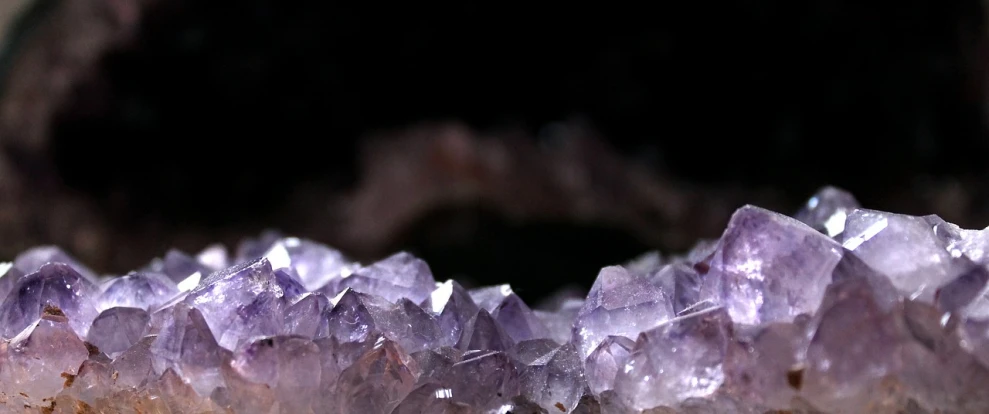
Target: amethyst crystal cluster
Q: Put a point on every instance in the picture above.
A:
(838, 309)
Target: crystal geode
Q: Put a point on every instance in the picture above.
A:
(837, 309)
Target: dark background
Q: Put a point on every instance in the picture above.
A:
(198, 121)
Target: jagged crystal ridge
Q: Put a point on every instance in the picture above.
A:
(835, 309)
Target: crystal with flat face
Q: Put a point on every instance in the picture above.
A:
(603, 364)
(186, 346)
(54, 285)
(133, 367)
(682, 359)
(316, 265)
(905, 248)
(146, 290)
(484, 380)
(554, 380)
(34, 363)
(378, 381)
(283, 364)
(769, 267)
(483, 333)
(117, 329)
(240, 302)
(827, 210)
(619, 304)
(453, 308)
(401, 275)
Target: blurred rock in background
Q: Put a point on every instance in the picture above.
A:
(502, 143)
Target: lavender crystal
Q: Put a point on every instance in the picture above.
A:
(837, 309)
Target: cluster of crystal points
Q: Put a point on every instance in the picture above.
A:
(839, 309)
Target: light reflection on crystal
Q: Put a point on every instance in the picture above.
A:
(841, 309)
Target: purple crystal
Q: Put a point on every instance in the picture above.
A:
(854, 346)
(178, 266)
(434, 365)
(253, 249)
(554, 381)
(685, 283)
(559, 322)
(765, 369)
(239, 302)
(34, 363)
(880, 313)
(145, 290)
(378, 381)
(306, 317)
(349, 320)
(283, 364)
(291, 287)
(33, 259)
(484, 380)
(398, 276)
(453, 308)
(966, 293)
(518, 320)
(115, 330)
(9, 275)
(769, 267)
(680, 360)
(186, 346)
(214, 257)
(316, 265)
(619, 304)
(133, 366)
(850, 267)
(904, 248)
(528, 352)
(827, 210)
(605, 361)
(483, 333)
(489, 297)
(53, 285)
(409, 325)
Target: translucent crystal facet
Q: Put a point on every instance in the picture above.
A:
(622, 304)
(769, 267)
(837, 310)
(53, 285)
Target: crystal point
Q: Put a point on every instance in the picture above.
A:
(827, 210)
(33, 259)
(680, 360)
(138, 290)
(316, 265)
(54, 285)
(401, 275)
(907, 249)
(619, 304)
(769, 267)
(483, 333)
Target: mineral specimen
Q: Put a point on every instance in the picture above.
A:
(840, 309)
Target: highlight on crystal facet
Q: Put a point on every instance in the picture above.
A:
(837, 309)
